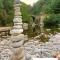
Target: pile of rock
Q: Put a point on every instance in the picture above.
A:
(17, 38)
(12, 49)
(9, 49)
(5, 50)
(17, 28)
(17, 44)
(42, 50)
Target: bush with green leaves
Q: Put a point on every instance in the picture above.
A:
(52, 21)
(46, 6)
(37, 7)
(52, 6)
(25, 11)
(6, 12)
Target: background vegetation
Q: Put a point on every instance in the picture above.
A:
(49, 7)
(6, 12)
(52, 9)
(26, 12)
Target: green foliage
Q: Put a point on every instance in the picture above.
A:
(8, 6)
(6, 12)
(38, 7)
(52, 9)
(3, 22)
(56, 7)
(25, 11)
(52, 6)
(46, 6)
(52, 21)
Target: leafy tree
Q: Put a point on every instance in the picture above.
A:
(8, 7)
(6, 10)
(52, 6)
(25, 11)
(46, 6)
(38, 7)
(56, 7)
(52, 21)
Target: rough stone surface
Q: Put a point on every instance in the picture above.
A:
(9, 48)
(5, 50)
(12, 49)
(25, 26)
(42, 50)
(31, 49)
(17, 41)
(17, 28)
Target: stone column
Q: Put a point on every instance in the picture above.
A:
(17, 28)
(17, 37)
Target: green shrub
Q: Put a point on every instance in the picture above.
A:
(52, 21)
(6, 12)
(25, 11)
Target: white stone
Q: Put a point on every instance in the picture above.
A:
(16, 31)
(18, 20)
(12, 48)
(27, 56)
(17, 8)
(5, 42)
(17, 27)
(18, 13)
(25, 26)
(17, 44)
(6, 54)
(55, 38)
(43, 50)
(17, 38)
(15, 24)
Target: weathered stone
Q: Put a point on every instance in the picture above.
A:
(17, 27)
(17, 38)
(25, 26)
(17, 20)
(16, 31)
(17, 44)
(15, 24)
(18, 54)
(43, 50)
(5, 42)
(55, 38)
(6, 54)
